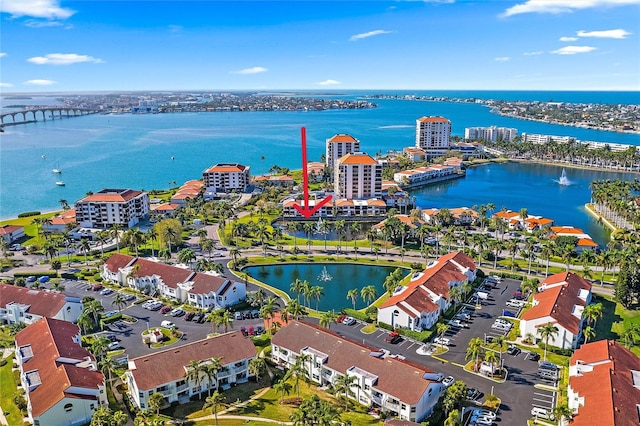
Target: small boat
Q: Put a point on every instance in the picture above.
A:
(56, 170)
(43, 156)
(60, 183)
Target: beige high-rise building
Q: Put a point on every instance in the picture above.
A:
(338, 146)
(433, 135)
(358, 176)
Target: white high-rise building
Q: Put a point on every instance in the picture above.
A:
(358, 176)
(338, 146)
(490, 134)
(433, 135)
(225, 177)
(124, 207)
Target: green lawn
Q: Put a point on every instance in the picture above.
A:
(9, 389)
(615, 320)
(30, 229)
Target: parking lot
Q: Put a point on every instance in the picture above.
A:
(129, 334)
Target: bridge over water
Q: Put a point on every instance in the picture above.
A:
(47, 113)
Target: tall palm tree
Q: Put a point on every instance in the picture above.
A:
(293, 308)
(316, 293)
(195, 373)
(211, 368)
(85, 246)
(114, 232)
(492, 358)
(119, 302)
(327, 318)
(546, 331)
(186, 256)
(214, 402)
(283, 388)
(368, 294)
(156, 401)
(589, 333)
(256, 367)
(474, 350)
(297, 287)
(353, 295)
(342, 386)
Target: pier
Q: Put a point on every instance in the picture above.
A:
(31, 115)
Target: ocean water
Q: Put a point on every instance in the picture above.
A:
(136, 151)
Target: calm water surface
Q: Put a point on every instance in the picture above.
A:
(345, 277)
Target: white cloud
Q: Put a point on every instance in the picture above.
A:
(39, 82)
(47, 9)
(254, 70)
(63, 59)
(618, 33)
(561, 6)
(3, 54)
(327, 83)
(6, 84)
(568, 38)
(572, 50)
(369, 34)
(34, 23)
(501, 59)
(537, 52)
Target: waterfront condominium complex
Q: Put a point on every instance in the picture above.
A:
(338, 146)
(490, 134)
(432, 135)
(358, 176)
(123, 207)
(226, 178)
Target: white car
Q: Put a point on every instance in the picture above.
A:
(516, 303)
(442, 341)
(349, 321)
(114, 346)
(448, 381)
(484, 413)
(481, 420)
(456, 323)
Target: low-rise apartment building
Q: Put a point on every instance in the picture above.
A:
(11, 233)
(420, 175)
(560, 301)
(62, 383)
(168, 372)
(337, 208)
(418, 305)
(399, 388)
(26, 305)
(201, 290)
(108, 207)
(604, 385)
(490, 134)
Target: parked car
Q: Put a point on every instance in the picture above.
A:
(189, 316)
(31, 279)
(533, 356)
(481, 421)
(202, 319)
(442, 341)
(341, 318)
(251, 331)
(165, 309)
(515, 303)
(156, 306)
(393, 337)
(463, 317)
(111, 337)
(197, 317)
(43, 279)
(129, 297)
(473, 394)
(540, 413)
(484, 413)
(456, 323)
(114, 346)
(243, 330)
(97, 287)
(238, 316)
(106, 291)
(546, 365)
(255, 314)
(448, 381)
(349, 321)
(177, 312)
(167, 324)
(259, 330)
(514, 350)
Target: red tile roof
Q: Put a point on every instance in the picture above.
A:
(342, 138)
(433, 120)
(558, 301)
(614, 400)
(226, 168)
(401, 379)
(357, 159)
(169, 365)
(112, 196)
(43, 303)
(9, 229)
(50, 340)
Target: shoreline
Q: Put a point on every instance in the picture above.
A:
(571, 166)
(600, 218)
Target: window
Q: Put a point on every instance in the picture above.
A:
(92, 406)
(68, 407)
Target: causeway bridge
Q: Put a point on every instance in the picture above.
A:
(46, 113)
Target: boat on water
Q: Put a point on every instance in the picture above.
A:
(60, 183)
(56, 170)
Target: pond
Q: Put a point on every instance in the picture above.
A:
(336, 279)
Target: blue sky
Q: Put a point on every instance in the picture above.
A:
(61, 46)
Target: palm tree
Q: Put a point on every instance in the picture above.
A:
(214, 401)
(316, 293)
(492, 358)
(85, 246)
(115, 233)
(562, 412)
(256, 367)
(169, 235)
(297, 287)
(119, 302)
(156, 401)
(94, 308)
(211, 368)
(441, 328)
(108, 366)
(474, 350)
(353, 295)
(589, 333)
(368, 294)
(293, 308)
(299, 370)
(545, 332)
(592, 313)
(327, 318)
(186, 256)
(194, 370)
(143, 418)
(283, 388)
(342, 386)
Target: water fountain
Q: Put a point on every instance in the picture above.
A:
(324, 275)
(563, 178)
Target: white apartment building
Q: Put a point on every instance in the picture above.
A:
(420, 175)
(27, 305)
(374, 207)
(544, 139)
(167, 371)
(405, 390)
(202, 290)
(358, 176)
(433, 135)
(338, 146)
(123, 207)
(490, 134)
(62, 383)
(225, 177)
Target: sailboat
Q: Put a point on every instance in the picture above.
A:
(60, 183)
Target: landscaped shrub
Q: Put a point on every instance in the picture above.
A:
(356, 314)
(68, 276)
(29, 214)
(50, 274)
(385, 326)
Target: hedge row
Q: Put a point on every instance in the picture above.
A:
(357, 314)
(29, 214)
(50, 274)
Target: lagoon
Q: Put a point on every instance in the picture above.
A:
(345, 277)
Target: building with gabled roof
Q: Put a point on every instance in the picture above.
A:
(27, 305)
(11, 233)
(62, 383)
(167, 371)
(108, 207)
(373, 208)
(61, 222)
(401, 388)
(584, 240)
(418, 305)
(460, 215)
(199, 289)
(560, 300)
(604, 385)
(226, 177)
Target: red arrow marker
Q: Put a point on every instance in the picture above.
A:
(305, 210)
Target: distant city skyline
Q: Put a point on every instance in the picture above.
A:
(76, 46)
